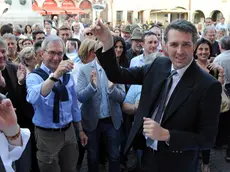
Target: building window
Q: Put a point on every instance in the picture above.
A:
(130, 17)
(141, 16)
(119, 17)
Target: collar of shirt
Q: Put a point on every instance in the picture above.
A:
(45, 68)
(142, 57)
(225, 52)
(182, 70)
(99, 68)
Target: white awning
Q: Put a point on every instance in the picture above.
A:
(177, 10)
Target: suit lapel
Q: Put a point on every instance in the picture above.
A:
(156, 89)
(94, 67)
(150, 96)
(183, 89)
(12, 76)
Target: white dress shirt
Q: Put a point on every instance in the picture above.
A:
(10, 153)
(137, 61)
(224, 61)
(175, 80)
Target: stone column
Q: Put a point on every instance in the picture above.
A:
(169, 17)
(146, 16)
(109, 10)
(135, 16)
(124, 17)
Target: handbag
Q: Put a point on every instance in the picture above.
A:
(225, 101)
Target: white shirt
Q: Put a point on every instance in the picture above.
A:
(137, 61)
(176, 78)
(224, 61)
(10, 153)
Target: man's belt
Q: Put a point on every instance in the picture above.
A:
(55, 129)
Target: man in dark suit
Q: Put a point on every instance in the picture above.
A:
(12, 84)
(186, 121)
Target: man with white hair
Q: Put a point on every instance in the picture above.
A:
(50, 89)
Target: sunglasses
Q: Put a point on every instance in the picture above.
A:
(89, 34)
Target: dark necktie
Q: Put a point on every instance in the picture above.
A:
(161, 102)
(2, 168)
(163, 97)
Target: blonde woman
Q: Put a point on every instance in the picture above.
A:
(28, 58)
(86, 54)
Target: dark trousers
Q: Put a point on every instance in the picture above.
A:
(206, 156)
(57, 150)
(225, 127)
(105, 129)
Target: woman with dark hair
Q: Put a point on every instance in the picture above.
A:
(6, 29)
(203, 52)
(19, 44)
(119, 46)
(28, 31)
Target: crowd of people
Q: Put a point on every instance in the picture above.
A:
(100, 90)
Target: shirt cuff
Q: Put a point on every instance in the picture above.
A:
(93, 88)
(16, 151)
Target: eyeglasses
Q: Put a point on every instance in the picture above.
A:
(53, 53)
(89, 34)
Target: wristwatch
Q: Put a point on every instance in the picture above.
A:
(51, 77)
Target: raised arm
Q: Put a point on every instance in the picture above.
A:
(107, 58)
(8, 123)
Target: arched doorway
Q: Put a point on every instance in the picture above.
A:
(86, 6)
(198, 16)
(35, 7)
(179, 13)
(216, 15)
(51, 7)
(69, 7)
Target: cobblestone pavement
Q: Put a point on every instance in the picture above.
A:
(217, 162)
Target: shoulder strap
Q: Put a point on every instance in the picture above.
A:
(41, 73)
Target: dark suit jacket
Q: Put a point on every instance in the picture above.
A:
(17, 94)
(191, 115)
(130, 54)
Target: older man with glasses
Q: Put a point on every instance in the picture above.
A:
(51, 91)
